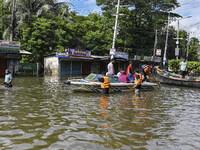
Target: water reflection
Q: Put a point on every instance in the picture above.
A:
(43, 113)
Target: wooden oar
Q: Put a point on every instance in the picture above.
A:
(154, 78)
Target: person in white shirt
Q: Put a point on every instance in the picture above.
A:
(111, 69)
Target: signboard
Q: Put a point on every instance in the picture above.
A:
(79, 53)
(121, 55)
(158, 52)
(62, 54)
(177, 51)
(137, 57)
(112, 51)
(147, 58)
(157, 59)
(9, 47)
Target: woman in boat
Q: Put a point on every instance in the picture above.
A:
(122, 78)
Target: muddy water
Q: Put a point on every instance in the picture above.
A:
(43, 113)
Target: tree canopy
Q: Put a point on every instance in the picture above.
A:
(46, 26)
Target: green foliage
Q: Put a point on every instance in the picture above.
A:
(45, 37)
(174, 64)
(192, 65)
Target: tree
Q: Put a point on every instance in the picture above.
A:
(137, 26)
(194, 45)
(47, 37)
(23, 11)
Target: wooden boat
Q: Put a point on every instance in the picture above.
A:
(174, 79)
(86, 85)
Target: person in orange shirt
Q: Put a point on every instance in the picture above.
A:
(129, 68)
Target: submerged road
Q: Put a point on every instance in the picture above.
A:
(43, 113)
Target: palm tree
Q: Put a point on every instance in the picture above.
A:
(24, 10)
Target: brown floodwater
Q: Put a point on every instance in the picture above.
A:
(44, 114)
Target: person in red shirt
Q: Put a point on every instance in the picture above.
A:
(129, 68)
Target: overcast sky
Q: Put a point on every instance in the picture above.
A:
(188, 8)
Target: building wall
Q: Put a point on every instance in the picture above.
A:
(95, 67)
(3, 67)
(51, 66)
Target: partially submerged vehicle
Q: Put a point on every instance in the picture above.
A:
(88, 85)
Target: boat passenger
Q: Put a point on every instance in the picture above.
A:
(146, 69)
(8, 78)
(138, 81)
(119, 73)
(111, 69)
(131, 78)
(129, 68)
(183, 69)
(122, 78)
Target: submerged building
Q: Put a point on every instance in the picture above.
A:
(78, 62)
(10, 56)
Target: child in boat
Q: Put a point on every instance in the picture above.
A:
(122, 78)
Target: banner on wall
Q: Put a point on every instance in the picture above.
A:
(9, 47)
(62, 54)
(79, 53)
(121, 55)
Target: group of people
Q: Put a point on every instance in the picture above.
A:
(125, 77)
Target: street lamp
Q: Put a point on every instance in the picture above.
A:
(177, 39)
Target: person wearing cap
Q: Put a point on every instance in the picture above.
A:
(8, 78)
(111, 69)
(146, 69)
(183, 69)
(129, 68)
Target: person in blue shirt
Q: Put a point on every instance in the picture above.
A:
(183, 69)
(131, 78)
(8, 78)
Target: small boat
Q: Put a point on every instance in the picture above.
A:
(174, 79)
(87, 85)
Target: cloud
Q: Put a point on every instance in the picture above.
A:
(189, 8)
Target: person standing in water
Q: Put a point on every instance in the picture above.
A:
(138, 81)
(8, 78)
(183, 69)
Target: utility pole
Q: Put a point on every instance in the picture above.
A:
(177, 38)
(177, 42)
(188, 44)
(155, 44)
(166, 41)
(116, 24)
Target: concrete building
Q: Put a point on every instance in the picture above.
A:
(73, 65)
(10, 61)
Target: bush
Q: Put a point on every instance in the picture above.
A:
(192, 65)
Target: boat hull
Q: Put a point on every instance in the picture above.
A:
(177, 81)
(114, 87)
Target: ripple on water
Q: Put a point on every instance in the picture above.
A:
(45, 114)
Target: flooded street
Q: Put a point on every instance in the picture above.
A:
(43, 113)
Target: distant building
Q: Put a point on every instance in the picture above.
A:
(78, 62)
(10, 61)
(10, 55)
